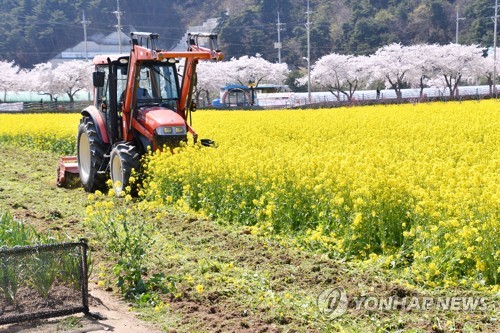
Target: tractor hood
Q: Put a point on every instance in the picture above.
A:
(156, 116)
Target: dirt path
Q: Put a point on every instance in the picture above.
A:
(114, 316)
(28, 191)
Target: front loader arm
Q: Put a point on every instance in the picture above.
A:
(195, 53)
(187, 87)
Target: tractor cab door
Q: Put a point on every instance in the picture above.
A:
(108, 92)
(103, 93)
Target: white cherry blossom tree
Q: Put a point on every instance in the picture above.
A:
(8, 77)
(254, 70)
(340, 74)
(211, 77)
(392, 64)
(423, 69)
(41, 80)
(455, 62)
(487, 68)
(73, 76)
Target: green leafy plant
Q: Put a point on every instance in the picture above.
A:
(12, 277)
(43, 272)
(13, 233)
(70, 268)
(39, 269)
(124, 232)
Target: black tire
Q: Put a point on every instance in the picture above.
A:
(124, 157)
(90, 152)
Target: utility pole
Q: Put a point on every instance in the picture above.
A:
(118, 14)
(85, 23)
(308, 28)
(278, 44)
(495, 50)
(456, 30)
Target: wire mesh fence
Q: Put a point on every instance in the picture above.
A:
(43, 281)
(34, 107)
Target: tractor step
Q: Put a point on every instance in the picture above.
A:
(66, 169)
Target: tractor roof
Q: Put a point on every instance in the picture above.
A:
(103, 58)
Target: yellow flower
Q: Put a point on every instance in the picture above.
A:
(480, 265)
(199, 288)
(357, 219)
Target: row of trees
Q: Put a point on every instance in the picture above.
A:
(393, 66)
(396, 67)
(68, 78)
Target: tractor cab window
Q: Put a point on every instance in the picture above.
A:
(121, 82)
(158, 85)
(103, 93)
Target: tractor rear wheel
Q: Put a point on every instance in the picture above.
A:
(90, 154)
(124, 157)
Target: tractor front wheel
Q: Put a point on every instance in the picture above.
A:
(124, 158)
(90, 154)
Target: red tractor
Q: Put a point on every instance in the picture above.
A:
(139, 102)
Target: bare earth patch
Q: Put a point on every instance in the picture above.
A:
(113, 315)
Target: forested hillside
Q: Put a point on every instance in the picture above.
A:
(34, 31)
(354, 27)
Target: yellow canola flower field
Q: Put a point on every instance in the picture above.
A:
(47, 131)
(411, 186)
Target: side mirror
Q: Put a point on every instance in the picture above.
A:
(98, 78)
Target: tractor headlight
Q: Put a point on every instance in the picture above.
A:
(170, 130)
(170, 136)
(166, 130)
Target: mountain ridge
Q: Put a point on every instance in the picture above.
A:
(35, 31)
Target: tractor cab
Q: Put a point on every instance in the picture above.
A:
(139, 103)
(154, 102)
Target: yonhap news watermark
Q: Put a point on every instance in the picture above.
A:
(334, 302)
